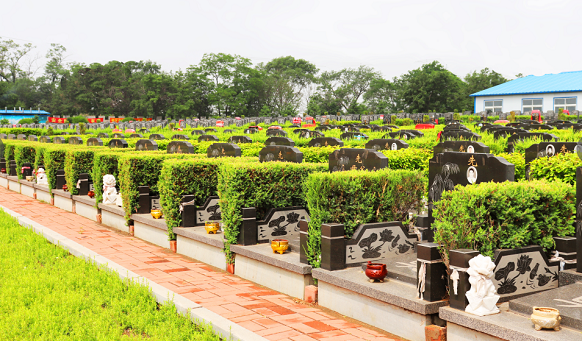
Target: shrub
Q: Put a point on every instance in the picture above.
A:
(26, 121)
(78, 119)
(409, 158)
(54, 159)
(316, 154)
(39, 156)
(77, 161)
(518, 159)
(403, 122)
(425, 118)
(392, 119)
(25, 131)
(127, 119)
(560, 167)
(261, 185)
(4, 121)
(357, 197)
(23, 152)
(508, 215)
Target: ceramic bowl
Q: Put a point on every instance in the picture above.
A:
(376, 271)
(91, 194)
(547, 318)
(211, 227)
(157, 214)
(29, 178)
(279, 245)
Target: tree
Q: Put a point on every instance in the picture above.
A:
(485, 79)
(11, 57)
(381, 97)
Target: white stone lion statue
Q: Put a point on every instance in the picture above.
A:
(41, 177)
(109, 191)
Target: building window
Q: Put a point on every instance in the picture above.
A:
(529, 105)
(493, 106)
(566, 103)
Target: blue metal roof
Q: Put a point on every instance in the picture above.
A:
(24, 112)
(560, 82)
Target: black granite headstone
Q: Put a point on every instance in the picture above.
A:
(386, 144)
(144, 199)
(75, 140)
(45, 139)
(382, 128)
(310, 134)
(3, 136)
(435, 279)
(118, 136)
(356, 159)
(94, 141)
(459, 135)
(58, 140)
(279, 141)
(12, 168)
(227, 131)
(460, 146)
(180, 147)
(239, 139)
(103, 135)
(146, 145)
(325, 141)
(157, 137)
(197, 132)
(84, 183)
(140, 136)
(26, 170)
(206, 138)
(280, 153)
(11, 137)
(248, 232)
(61, 180)
(350, 135)
(459, 262)
(276, 132)
(210, 130)
(250, 131)
(21, 137)
(117, 143)
(179, 137)
(32, 138)
(223, 149)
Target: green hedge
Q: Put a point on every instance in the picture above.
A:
(23, 152)
(39, 157)
(104, 162)
(54, 159)
(25, 131)
(409, 158)
(77, 161)
(357, 197)
(555, 168)
(261, 185)
(518, 159)
(507, 215)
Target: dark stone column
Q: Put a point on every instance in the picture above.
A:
(145, 205)
(84, 184)
(333, 247)
(61, 181)
(27, 170)
(566, 248)
(435, 280)
(248, 231)
(12, 171)
(3, 165)
(303, 239)
(423, 223)
(459, 260)
(188, 211)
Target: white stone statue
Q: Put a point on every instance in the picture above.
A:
(482, 296)
(41, 177)
(109, 191)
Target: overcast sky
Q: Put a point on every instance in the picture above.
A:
(393, 36)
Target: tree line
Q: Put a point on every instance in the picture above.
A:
(226, 85)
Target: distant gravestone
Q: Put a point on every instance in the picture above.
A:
(356, 159)
(309, 134)
(180, 147)
(279, 141)
(118, 136)
(239, 139)
(382, 128)
(21, 137)
(548, 149)
(386, 144)
(117, 143)
(227, 131)
(210, 130)
(459, 135)
(103, 135)
(350, 135)
(157, 137)
(280, 153)
(146, 145)
(521, 136)
(455, 126)
(75, 140)
(325, 141)
(3, 136)
(58, 140)
(45, 139)
(179, 137)
(94, 142)
(460, 146)
(223, 150)
(251, 131)
(136, 136)
(197, 132)
(206, 138)
(323, 128)
(32, 138)
(276, 132)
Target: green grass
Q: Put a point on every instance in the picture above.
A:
(47, 294)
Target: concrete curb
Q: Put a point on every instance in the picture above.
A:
(228, 329)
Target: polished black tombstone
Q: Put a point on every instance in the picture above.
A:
(3, 136)
(140, 136)
(11, 137)
(459, 263)
(323, 128)
(3, 165)
(197, 132)
(21, 137)
(386, 144)
(434, 280)
(26, 170)
(280, 153)
(117, 143)
(356, 159)
(12, 168)
(276, 132)
(180, 147)
(94, 141)
(179, 137)
(210, 130)
(84, 184)
(382, 128)
(521, 136)
(250, 131)
(325, 141)
(146, 145)
(157, 137)
(206, 138)
(32, 138)
(455, 126)
(58, 140)
(144, 200)
(227, 131)
(188, 209)
(279, 141)
(75, 140)
(239, 139)
(310, 134)
(548, 149)
(502, 133)
(460, 146)
(223, 150)
(61, 180)
(459, 135)
(103, 135)
(248, 234)
(400, 135)
(118, 136)
(333, 246)
(350, 135)
(298, 131)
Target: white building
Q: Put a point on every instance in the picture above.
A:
(545, 93)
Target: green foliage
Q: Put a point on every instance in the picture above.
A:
(54, 159)
(58, 286)
(77, 161)
(25, 131)
(403, 122)
(4, 121)
(316, 154)
(425, 118)
(104, 162)
(409, 158)
(78, 119)
(26, 121)
(518, 159)
(357, 197)
(509, 215)
(261, 185)
(23, 152)
(127, 119)
(559, 167)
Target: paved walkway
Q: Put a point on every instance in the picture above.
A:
(266, 312)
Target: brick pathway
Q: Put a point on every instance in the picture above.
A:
(266, 312)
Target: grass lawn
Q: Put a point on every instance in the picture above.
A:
(47, 294)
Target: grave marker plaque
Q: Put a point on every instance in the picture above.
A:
(309, 134)
(117, 143)
(210, 130)
(325, 141)
(180, 147)
(45, 139)
(382, 128)
(75, 140)
(386, 144)
(276, 132)
(281, 223)
(94, 142)
(281, 154)
(205, 138)
(356, 159)
(136, 136)
(350, 135)
(239, 139)
(118, 136)
(459, 135)
(58, 140)
(376, 241)
(251, 131)
(279, 141)
(21, 137)
(157, 137)
(3, 136)
(223, 149)
(460, 146)
(179, 137)
(103, 135)
(11, 137)
(146, 145)
(227, 131)
(32, 138)
(197, 132)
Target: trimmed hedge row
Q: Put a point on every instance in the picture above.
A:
(507, 215)
(559, 167)
(23, 153)
(356, 197)
(77, 161)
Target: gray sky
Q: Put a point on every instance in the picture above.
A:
(393, 36)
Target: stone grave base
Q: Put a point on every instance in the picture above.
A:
(3, 180)
(85, 206)
(195, 243)
(391, 306)
(151, 230)
(13, 184)
(113, 216)
(27, 188)
(283, 273)
(63, 200)
(42, 193)
(457, 332)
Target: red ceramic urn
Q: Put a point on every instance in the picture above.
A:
(91, 194)
(65, 188)
(376, 271)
